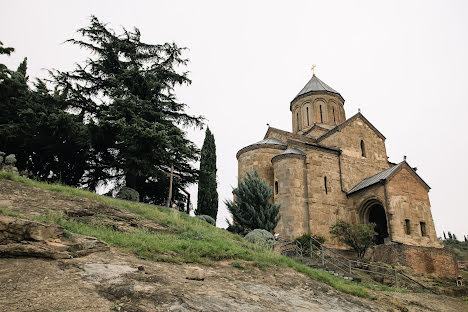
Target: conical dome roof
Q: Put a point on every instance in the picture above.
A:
(316, 85)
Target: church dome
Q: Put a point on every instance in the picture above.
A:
(317, 103)
(316, 85)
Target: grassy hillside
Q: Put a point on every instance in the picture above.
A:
(185, 240)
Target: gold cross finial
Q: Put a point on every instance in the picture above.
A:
(313, 69)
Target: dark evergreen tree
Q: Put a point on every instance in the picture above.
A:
(48, 141)
(207, 203)
(252, 208)
(445, 237)
(449, 235)
(125, 92)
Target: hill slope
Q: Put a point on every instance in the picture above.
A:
(238, 275)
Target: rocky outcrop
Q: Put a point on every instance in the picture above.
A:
(26, 238)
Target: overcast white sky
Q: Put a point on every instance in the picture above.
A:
(404, 63)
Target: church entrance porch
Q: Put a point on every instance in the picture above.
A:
(374, 212)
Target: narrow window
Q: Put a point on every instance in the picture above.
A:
(325, 183)
(321, 117)
(334, 119)
(407, 227)
(276, 187)
(363, 149)
(423, 228)
(297, 116)
(307, 111)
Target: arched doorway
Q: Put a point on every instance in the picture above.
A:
(373, 212)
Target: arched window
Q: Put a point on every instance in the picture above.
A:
(334, 119)
(325, 184)
(363, 149)
(297, 116)
(321, 116)
(276, 187)
(407, 227)
(307, 112)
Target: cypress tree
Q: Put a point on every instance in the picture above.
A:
(252, 208)
(207, 203)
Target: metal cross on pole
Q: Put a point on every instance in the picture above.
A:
(313, 69)
(170, 186)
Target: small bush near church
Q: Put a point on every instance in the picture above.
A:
(261, 237)
(304, 241)
(128, 193)
(207, 218)
(252, 207)
(357, 236)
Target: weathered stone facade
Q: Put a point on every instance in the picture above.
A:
(330, 168)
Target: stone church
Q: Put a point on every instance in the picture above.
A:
(330, 168)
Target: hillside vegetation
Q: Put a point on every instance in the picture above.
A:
(181, 239)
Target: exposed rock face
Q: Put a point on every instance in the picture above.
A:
(26, 238)
(18, 230)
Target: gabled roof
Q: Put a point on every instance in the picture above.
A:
(347, 122)
(316, 85)
(315, 126)
(384, 176)
(288, 134)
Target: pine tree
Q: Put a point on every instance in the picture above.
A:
(449, 235)
(445, 237)
(126, 93)
(207, 203)
(252, 208)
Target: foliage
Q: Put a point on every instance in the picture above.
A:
(207, 203)
(8, 162)
(196, 241)
(36, 126)
(261, 237)
(252, 208)
(126, 92)
(128, 193)
(207, 218)
(357, 236)
(305, 239)
(459, 248)
(114, 118)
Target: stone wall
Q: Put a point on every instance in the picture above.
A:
(258, 158)
(408, 199)
(354, 166)
(428, 260)
(290, 173)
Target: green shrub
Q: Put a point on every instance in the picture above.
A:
(128, 193)
(10, 160)
(304, 241)
(357, 236)
(207, 218)
(261, 237)
(252, 207)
